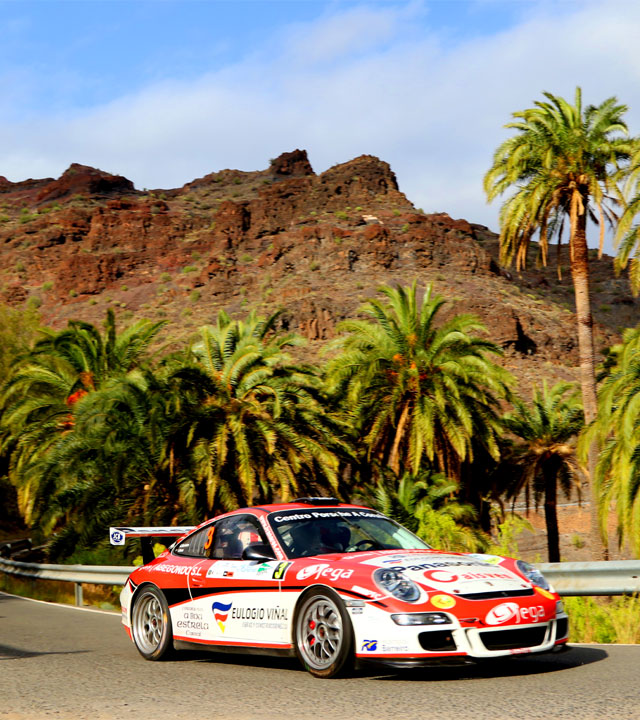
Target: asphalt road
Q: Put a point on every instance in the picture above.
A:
(62, 662)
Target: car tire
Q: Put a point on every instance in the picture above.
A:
(323, 634)
(151, 624)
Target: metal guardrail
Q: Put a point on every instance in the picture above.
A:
(78, 574)
(613, 577)
(569, 578)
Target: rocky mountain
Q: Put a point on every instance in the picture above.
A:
(316, 245)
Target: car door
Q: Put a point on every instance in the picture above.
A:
(241, 597)
(189, 617)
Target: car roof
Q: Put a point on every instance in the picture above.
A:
(280, 507)
(302, 504)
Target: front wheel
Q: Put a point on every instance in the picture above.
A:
(324, 635)
(151, 624)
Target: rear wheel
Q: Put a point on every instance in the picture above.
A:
(323, 634)
(151, 624)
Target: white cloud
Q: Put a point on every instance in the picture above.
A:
(372, 79)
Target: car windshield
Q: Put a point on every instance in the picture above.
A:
(329, 530)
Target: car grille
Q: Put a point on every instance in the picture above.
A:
(514, 639)
(494, 594)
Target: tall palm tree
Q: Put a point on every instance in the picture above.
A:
(564, 162)
(617, 428)
(542, 460)
(257, 428)
(419, 390)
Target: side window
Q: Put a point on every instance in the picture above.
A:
(234, 534)
(197, 543)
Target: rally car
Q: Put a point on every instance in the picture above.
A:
(333, 584)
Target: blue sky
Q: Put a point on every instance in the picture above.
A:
(164, 92)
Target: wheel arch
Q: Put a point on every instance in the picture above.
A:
(300, 600)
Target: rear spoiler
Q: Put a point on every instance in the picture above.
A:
(118, 536)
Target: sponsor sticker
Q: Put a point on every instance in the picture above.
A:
(371, 594)
(443, 602)
(512, 612)
(117, 537)
(490, 559)
(192, 570)
(323, 570)
(272, 570)
(369, 645)
(441, 576)
(281, 570)
(503, 613)
(192, 622)
(220, 613)
(394, 648)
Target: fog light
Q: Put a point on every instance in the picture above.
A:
(421, 619)
(559, 607)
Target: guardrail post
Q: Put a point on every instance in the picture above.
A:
(78, 593)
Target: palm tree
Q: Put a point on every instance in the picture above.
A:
(628, 231)
(563, 163)
(418, 391)
(617, 428)
(542, 459)
(117, 466)
(96, 356)
(257, 429)
(40, 397)
(427, 505)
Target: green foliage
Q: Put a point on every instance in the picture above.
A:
(505, 540)
(164, 277)
(541, 461)
(617, 429)
(611, 620)
(418, 391)
(188, 269)
(426, 505)
(341, 215)
(42, 431)
(562, 162)
(256, 427)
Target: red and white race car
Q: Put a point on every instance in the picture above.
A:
(333, 583)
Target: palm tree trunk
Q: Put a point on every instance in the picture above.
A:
(580, 275)
(551, 513)
(394, 458)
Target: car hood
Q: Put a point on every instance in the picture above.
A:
(459, 574)
(453, 573)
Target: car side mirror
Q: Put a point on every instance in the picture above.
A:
(258, 551)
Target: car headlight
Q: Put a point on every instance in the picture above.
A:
(396, 584)
(533, 574)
